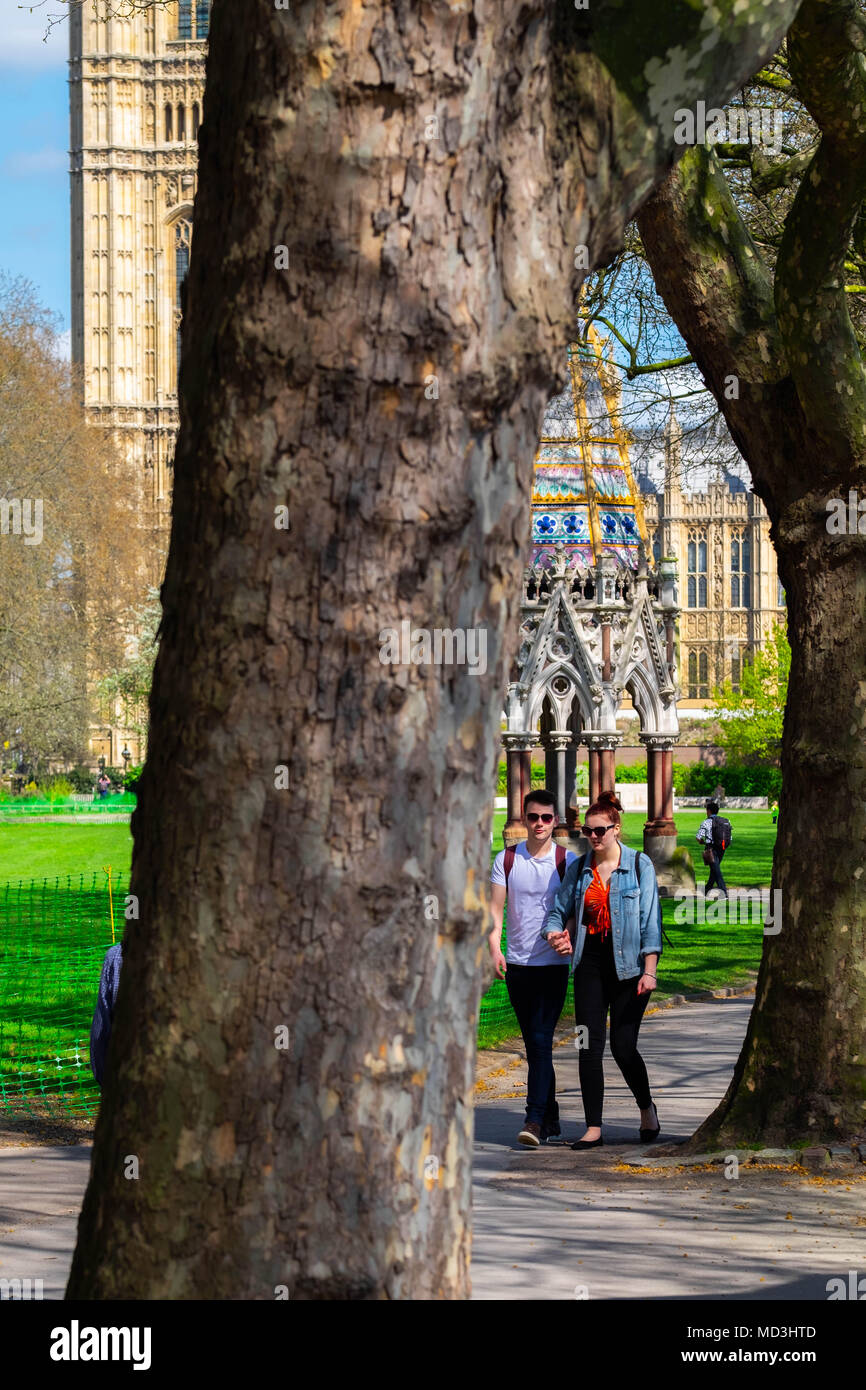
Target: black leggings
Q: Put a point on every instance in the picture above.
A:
(597, 988)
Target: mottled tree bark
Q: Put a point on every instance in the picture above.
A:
(431, 169)
(800, 423)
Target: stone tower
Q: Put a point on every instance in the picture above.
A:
(136, 87)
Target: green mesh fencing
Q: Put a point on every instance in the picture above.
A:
(53, 936)
(17, 809)
(496, 1018)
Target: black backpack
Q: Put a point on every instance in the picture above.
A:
(722, 832)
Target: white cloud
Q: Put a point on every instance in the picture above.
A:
(33, 163)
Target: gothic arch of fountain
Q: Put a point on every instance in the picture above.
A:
(597, 618)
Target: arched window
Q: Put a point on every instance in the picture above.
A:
(181, 121)
(184, 19)
(697, 570)
(168, 121)
(741, 570)
(182, 240)
(195, 120)
(698, 683)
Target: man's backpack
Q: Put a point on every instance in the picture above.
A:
(722, 832)
(509, 862)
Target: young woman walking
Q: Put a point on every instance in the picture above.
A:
(612, 894)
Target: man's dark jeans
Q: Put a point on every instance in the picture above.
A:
(537, 994)
(715, 879)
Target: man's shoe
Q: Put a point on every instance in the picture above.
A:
(530, 1135)
(551, 1131)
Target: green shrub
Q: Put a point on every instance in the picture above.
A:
(82, 779)
(737, 780)
(134, 771)
(635, 773)
(58, 788)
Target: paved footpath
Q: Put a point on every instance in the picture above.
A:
(553, 1224)
(41, 1190)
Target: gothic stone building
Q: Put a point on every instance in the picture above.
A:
(730, 591)
(136, 82)
(136, 86)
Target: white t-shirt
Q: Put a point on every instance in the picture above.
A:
(532, 886)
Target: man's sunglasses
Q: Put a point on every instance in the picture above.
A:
(597, 829)
(536, 815)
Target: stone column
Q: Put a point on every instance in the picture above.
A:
(560, 741)
(652, 770)
(594, 773)
(666, 811)
(518, 758)
(660, 831)
(608, 769)
(602, 762)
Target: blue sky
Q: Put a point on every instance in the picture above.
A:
(34, 144)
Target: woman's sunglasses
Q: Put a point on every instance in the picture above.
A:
(536, 815)
(597, 829)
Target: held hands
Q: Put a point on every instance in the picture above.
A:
(646, 984)
(561, 940)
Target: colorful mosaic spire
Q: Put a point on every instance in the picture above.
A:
(583, 493)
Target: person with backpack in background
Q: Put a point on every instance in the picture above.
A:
(715, 835)
(536, 978)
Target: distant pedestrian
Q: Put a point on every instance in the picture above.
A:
(714, 834)
(775, 810)
(102, 785)
(103, 1016)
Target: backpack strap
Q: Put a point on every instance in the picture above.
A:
(560, 861)
(508, 862)
(665, 936)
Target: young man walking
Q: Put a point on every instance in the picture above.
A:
(534, 974)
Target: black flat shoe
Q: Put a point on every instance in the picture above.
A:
(648, 1135)
(587, 1144)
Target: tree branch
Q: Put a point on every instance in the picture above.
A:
(811, 302)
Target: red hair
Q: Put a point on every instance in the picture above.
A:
(608, 804)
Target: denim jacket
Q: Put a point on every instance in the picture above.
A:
(635, 911)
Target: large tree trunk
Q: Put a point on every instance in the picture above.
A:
(799, 420)
(432, 170)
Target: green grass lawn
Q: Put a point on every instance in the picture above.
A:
(53, 937)
(53, 851)
(52, 942)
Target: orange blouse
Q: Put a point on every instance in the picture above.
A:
(596, 906)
